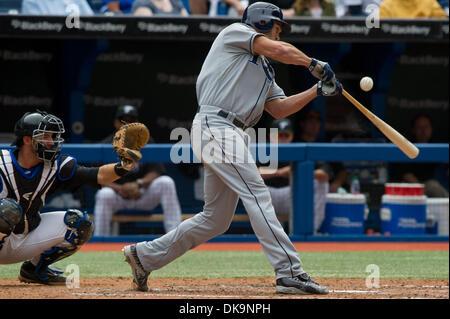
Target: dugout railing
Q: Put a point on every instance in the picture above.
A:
(303, 156)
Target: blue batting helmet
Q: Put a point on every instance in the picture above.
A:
(261, 16)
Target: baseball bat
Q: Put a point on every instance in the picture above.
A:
(395, 137)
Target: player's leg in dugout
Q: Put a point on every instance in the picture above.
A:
(162, 191)
(107, 202)
(281, 199)
(215, 219)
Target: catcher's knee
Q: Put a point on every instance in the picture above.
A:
(79, 227)
(10, 215)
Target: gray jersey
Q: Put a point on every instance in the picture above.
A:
(234, 79)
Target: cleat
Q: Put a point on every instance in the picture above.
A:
(47, 276)
(140, 276)
(301, 284)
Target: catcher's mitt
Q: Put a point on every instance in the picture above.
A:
(128, 141)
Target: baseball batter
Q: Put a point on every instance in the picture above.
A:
(235, 85)
(30, 173)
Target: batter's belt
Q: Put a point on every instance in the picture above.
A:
(235, 121)
(230, 116)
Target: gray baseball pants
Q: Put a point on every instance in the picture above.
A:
(228, 177)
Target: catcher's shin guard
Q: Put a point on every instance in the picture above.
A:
(79, 230)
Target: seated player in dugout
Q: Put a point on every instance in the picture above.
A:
(334, 173)
(144, 188)
(421, 131)
(31, 172)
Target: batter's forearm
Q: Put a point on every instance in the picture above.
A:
(289, 54)
(281, 108)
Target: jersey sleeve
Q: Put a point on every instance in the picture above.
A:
(66, 167)
(275, 93)
(240, 36)
(82, 176)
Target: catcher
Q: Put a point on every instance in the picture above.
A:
(35, 169)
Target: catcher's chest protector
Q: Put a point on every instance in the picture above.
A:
(30, 191)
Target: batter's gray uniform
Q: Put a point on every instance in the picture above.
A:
(237, 83)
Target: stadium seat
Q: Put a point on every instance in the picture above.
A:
(10, 6)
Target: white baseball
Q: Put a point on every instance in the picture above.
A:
(366, 83)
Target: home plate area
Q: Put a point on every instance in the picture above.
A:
(224, 288)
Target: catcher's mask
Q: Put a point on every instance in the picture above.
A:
(261, 16)
(45, 131)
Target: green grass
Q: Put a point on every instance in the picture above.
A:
(228, 264)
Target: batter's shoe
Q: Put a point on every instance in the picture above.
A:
(301, 284)
(140, 276)
(47, 276)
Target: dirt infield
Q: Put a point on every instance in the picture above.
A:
(223, 288)
(238, 288)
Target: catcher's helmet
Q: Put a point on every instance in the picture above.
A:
(45, 130)
(261, 16)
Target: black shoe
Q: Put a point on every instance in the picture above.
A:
(46, 276)
(301, 284)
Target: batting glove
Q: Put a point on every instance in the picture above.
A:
(321, 70)
(329, 88)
